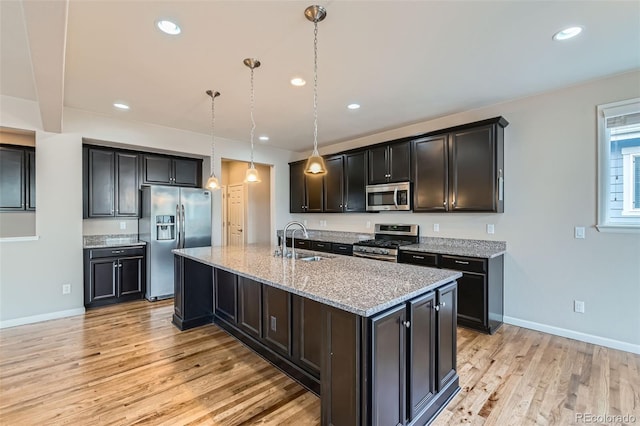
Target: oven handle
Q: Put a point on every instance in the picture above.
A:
(395, 197)
(376, 257)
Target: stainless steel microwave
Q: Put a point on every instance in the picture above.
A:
(389, 197)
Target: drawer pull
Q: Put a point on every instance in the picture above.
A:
(417, 257)
(462, 262)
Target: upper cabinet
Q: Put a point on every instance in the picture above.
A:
(355, 182)
(461, 169)
(390, 163)
(333, 184)
(110, 184)
(165, 170)
(17, 178)
(306, 193)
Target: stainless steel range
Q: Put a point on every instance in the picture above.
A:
(388, 238)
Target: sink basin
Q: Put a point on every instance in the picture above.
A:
(311, 258)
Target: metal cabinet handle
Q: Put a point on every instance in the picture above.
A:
(417, 257)
(461, 262)
(407, 324)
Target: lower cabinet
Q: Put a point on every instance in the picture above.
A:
(307, 332)
(276, 306)
(193, 293)
(412, 363)
(225, 290)
(250, 307)
(113, 275)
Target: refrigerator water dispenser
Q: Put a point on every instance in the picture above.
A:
(165, 227)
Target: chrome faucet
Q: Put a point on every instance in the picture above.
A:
(284, 237)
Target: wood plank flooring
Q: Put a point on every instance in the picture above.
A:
(126, 365)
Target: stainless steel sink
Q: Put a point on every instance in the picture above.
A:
(311, 258)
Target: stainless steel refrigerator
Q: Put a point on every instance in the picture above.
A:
(172, 217)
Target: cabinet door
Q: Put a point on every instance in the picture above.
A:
(388, 379)
(101, 183)
(309, 334)
(12, 179)
(157, 170)
(315, 193)
(446, 333)
(355, 182)
(126, 184)
(400, 162)
(102, 279)
(225, 291)
(472, 165)
(378, 161)
(297, 199)
(333, 191)
(472, 300)
(430, 165)
(276, 305)
(421, 357)
(130, 275)
(31, 180)
(250, 306)
(187, 172)
(178, 287)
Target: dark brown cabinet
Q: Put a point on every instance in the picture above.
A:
(390, 163)
(306, 193)
(412, 362)
(355, 182)
(225, 290)
(110, 184)
(250, 307)
(113, 275)
(17, 178)
(461, 169)
(333, 184)
(192, 293)
(307, 331)
(276, 307)
(166, 170)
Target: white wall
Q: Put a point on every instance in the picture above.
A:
(550, 187)
(32, 272)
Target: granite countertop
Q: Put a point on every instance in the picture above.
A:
(361, 286)
(460, 247)
(106, 241)
(329, 236)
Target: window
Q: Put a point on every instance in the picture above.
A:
(619, 166)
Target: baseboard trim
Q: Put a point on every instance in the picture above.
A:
(39, 318)
(576, 335)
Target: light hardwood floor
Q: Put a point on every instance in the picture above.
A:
(127, 364)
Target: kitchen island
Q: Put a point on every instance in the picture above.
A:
(376, 340)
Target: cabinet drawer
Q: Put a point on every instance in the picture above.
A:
(469, 264)
(321, 246)
(306, 244)
(419, 258)
(346, 249)
(116, 252)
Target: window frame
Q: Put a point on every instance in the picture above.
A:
(604, 223)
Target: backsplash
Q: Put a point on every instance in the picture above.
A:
(110, 226)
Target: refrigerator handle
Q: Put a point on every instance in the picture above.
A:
(178, 226)
(182, 234)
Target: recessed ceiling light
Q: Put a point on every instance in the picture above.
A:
(567, 33)
(168, 27)
(298, 81)
(120, 105)
(353, 106)
(264, 138)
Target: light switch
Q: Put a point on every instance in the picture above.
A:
(123, 225)
(579, 232)
(436, 227)
(491, 228)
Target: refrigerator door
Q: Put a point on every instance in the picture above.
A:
(164, 202)
(196, 223)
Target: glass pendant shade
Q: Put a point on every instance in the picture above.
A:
(252, 175)
(315, 165)
(212, 183)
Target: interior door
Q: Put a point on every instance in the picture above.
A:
(235, 203)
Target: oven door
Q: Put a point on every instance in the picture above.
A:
(394, 196)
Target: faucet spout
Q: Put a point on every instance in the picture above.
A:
(284, 237)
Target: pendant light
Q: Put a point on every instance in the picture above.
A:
(315, 163)
(252, 173)
(212, 182)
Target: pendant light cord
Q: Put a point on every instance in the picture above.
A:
(213, 126)
(253, 122)
(315, 88)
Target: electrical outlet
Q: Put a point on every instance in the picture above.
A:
(579, 232)
(66, 288)
(273, 323)
(578, 306)
(368, 224)
(436, 227)
(123, 225)
(491, 228)
(305, 222)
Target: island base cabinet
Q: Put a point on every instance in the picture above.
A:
(193, 293)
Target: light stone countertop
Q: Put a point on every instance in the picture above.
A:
(357, 285)
(340, 237)
(459, 247)
(107, 241)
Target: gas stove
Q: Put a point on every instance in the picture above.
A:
(388, 238)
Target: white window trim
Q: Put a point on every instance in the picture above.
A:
(604, 223)
(628, 156)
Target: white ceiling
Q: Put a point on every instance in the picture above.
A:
(404, 61)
